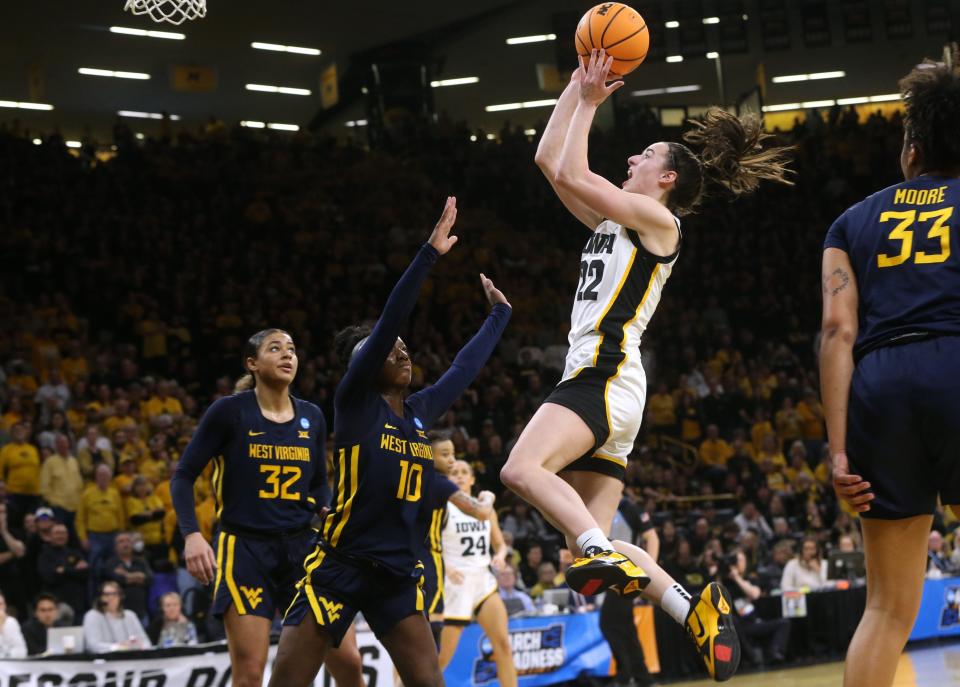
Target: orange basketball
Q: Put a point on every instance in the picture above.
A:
(619, 30)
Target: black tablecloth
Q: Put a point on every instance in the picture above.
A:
(832, 618)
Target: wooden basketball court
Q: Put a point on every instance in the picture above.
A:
(936, 666)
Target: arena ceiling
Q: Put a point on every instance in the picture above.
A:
(43, 44)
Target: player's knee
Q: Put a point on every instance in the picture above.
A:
(427, 677)
(515, 476)
(248, 673)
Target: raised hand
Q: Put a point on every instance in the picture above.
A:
(494, 295)
(441, 239)
(595, 72)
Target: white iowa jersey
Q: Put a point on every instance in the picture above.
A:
(620, 287)
(466, 540)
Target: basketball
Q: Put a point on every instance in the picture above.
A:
(619, 30)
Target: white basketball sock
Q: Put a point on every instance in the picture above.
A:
(594, 537)
(676, 603)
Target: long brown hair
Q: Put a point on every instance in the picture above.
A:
(732, 154)
(251, 350)
(931, 93)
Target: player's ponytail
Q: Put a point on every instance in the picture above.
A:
(931, 93)
(346, 339)
(251, 350)
(732, 154)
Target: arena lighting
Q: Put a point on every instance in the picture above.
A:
(74, 144)
(356, 122)
(146, 115)
(540, 38)
(712, 55)
(169, 35)
(672, 24)
(25, 106)
(529, 132)
(473, 137)
(674, 58)
(283, 127)
(90, 71)
(286, 90)
(461, 81)
(789, 78)
(252, 124)
(711, 20)
(669, 89)
(491, 137)
(520, 106)
(860, 100)
(37, 142)
(139, 136)
(276, 47)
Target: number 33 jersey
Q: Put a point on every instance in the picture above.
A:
(619, 289)
(466, 540)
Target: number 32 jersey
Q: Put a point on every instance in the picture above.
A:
(619, 289)
(466, 540)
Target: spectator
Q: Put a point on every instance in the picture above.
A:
(807, 571)
(761, 640)
(938, 563)
(20, 471)
(12, 644)
(771, 574)
(714, 451)
(750, 518)
(100, 516)
(529, 567)
(129, 569)
(546, 579)
(146, 513)
(516, 601)
(170, 627)
(60, 482)
(46, 614)
(94, 450)
(686, 569)
(63, 570)
(109, 627)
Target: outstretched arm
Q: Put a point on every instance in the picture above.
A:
(368, 360)
(480, 507)
(433, 401)
(551, 146)
(641, 213)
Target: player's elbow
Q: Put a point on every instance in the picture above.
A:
(839, 332)
(545, 163)
(563, 179)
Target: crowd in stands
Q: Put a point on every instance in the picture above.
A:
(130, 285)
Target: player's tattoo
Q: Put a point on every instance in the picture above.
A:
(836, 282)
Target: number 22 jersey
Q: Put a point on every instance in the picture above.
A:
(619, 289)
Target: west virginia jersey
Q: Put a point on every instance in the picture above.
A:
(431, 551)
(903, 419)
(619, 289)
(269, 478)
(383, 475)
(903, 246)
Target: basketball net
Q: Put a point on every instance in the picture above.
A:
(171, 11)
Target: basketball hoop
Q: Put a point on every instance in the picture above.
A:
(172, 11)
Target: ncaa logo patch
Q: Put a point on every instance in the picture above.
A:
(417, 422)
(305, 423)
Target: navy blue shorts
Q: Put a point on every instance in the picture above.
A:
(335, 590)
(903, 426)
(433, 582)
(258, 575)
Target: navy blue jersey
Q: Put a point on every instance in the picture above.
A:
(903, 244)
(268, 476)
(436, 514)
(383, 463)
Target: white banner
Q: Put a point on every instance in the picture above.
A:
(204, 666)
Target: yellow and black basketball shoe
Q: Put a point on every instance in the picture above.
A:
(599, 570)
(710, 625)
